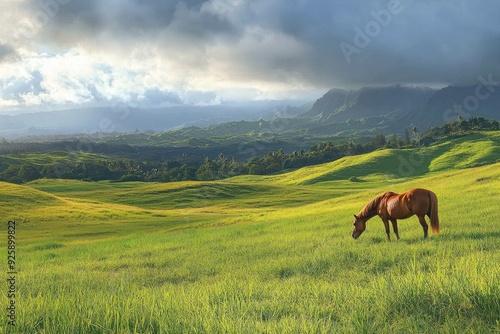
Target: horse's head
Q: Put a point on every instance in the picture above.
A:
(359, 227)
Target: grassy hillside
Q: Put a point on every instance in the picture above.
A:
(263, 254)
(387, 164)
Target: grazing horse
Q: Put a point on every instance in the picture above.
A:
(392, 206)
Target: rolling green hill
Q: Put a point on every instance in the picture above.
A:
(269, 254)
(388, 164)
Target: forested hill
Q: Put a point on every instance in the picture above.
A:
(81, 165)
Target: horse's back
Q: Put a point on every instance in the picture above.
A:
(419, 193)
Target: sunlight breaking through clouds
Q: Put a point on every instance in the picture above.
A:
(57, 52)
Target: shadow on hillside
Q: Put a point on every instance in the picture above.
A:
(404, 163)
(394, 163)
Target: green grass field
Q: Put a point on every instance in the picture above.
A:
(262, 254)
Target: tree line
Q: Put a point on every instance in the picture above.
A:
(463, 126)
(221, 167)
(274, 161)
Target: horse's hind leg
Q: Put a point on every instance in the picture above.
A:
(395, 227)
(424, 225)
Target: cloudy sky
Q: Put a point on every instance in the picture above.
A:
(56, 53)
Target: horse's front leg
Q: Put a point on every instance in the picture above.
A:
(395, 227)
(387, 231)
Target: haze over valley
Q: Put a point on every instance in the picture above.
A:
(195, 166)
(99, 66)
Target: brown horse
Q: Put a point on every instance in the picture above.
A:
(392, 206)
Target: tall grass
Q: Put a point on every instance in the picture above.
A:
(271, 258)
(414, 286)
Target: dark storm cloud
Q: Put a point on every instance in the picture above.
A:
(318, 43)
(422, 42)
(7, 52)
(89, 20)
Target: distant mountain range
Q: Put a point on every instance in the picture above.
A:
(124, 119)
(339, 112)
(339, 105)
(397, 107)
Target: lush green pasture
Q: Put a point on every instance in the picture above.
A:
(260, 255)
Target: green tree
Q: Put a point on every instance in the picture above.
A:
(209, 170)
(407, 141)
(379, 140)
(11, 174)
(28, 173)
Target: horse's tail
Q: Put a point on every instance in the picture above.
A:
(433, 213)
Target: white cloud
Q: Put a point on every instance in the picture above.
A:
(76, 78)
(57, 52)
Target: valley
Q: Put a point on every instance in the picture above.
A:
(267, 253)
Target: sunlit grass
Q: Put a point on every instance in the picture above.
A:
(264, 256)
(472, 151)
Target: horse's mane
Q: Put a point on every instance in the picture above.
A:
(371, 208)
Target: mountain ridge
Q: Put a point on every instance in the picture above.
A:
(339, 105)
(339, 112)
